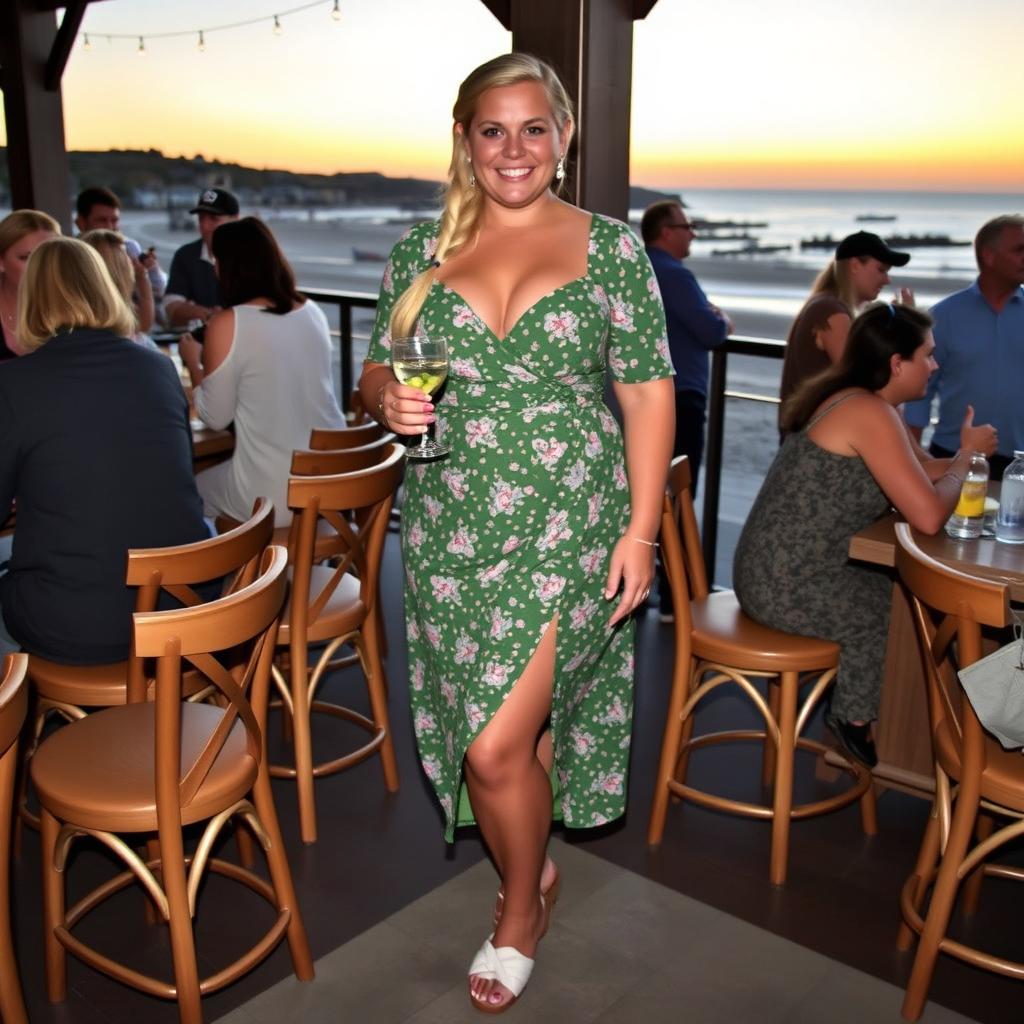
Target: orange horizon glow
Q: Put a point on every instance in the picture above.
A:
(724, 96)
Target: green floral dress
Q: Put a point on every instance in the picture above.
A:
(517, 525)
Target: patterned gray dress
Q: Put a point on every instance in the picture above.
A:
(516, 526)
(792, 572)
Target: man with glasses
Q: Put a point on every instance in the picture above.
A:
(695, 326)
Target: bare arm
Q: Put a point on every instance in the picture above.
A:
(981, 438)
(831, 339)
(216, 401)
(648, 410)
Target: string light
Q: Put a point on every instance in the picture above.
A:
(275, 19)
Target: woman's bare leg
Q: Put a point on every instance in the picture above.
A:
(511, 796)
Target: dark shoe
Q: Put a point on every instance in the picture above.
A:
(854, 739)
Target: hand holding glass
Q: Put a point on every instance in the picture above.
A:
(422, 363)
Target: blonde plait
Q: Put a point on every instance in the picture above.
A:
(463, 204)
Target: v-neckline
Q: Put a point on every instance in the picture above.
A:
(533, 305)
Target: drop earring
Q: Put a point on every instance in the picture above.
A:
(560, 168)
(472, 176)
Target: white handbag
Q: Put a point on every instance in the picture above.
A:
(995, 686)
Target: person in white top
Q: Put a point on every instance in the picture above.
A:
(265, 365)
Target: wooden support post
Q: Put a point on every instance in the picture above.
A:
(34, 115)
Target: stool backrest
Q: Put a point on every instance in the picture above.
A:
(358, 507)
(323, 462)
(324, 439)
(682, 555)
(233, 556)
(949, 608)
(231, 642)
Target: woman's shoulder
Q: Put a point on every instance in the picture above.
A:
(418, 244)
(615, 239)
(858, 409)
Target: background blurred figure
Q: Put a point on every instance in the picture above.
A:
(20, 233)
(128, 275)
(98, 453)
(99, 209)
(979, 345)
(193, 292)
(266, 366)
(856, 275)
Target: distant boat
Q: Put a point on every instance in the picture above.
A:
(700, 224)
(863, 218)
(367, 256)
(896, 241)
(752, 250)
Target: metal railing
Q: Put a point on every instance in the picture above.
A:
(718, 394)
(345, 301)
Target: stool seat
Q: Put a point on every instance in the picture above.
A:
(86, 686)
(343, 612)
(723, 632)
(1003, 779)
(113, 785)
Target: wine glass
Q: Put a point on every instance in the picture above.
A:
(422, 362)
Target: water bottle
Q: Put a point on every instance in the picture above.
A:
(1010, 521)
(966, 521)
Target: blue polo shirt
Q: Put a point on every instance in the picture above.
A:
(981, 362)
(694, 328)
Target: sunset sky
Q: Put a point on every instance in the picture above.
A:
(919, 94)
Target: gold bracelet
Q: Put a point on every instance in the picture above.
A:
(640, 540)
(382, 416)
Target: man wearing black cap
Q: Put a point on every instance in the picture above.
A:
(859, 271)
(192, 289)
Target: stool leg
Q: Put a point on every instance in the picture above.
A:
(183, 949)
(669, 749)
(768, 751)
(12, 1004)
(869, 811)
(299, 681)
(782, 803)
(281, 877)
(943, 897)
(377, 686)
(53, 910)
(972, 887)
(926, 858)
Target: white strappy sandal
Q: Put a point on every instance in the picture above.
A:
(507, 966)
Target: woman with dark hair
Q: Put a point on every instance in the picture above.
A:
(847, 458)
(265, 365)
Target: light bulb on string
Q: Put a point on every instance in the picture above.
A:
(86, 45)
(277, 26)
(142, 47)
(336, 11)
(202, 42)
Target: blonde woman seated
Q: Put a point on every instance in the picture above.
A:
(20, 233)
(98, 454)
(129, 276)
(265, 365)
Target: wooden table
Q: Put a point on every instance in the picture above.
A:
(903, 740)
(210, 446)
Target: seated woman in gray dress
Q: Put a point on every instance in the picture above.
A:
(847, 458)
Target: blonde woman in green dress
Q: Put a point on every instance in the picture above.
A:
(528, 548)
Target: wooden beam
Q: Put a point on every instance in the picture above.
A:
(66, 35)
(33, 114)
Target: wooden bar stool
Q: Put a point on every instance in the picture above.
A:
(161, 765)
(69, 690)
(716, 643)
(329, 439)
(976, 780)
(13, 706)
(335, 605)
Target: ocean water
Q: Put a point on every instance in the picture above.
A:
(795, 215)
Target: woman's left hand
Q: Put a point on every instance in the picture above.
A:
(632, 569)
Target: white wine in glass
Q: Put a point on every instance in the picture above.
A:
(421, 362)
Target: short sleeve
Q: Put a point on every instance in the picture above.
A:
(637, 339)
(409, 258)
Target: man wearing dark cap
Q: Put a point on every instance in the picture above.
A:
(192, 289)
(817, 339)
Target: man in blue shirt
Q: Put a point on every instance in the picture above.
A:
(979, 346)
(695, 326)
